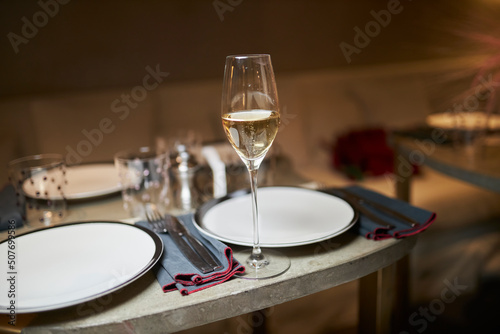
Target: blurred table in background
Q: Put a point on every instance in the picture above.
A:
(480, 168)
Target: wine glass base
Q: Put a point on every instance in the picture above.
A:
(278, 263)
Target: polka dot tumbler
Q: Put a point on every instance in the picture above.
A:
(40, 181)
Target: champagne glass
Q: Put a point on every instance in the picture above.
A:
(251, 118)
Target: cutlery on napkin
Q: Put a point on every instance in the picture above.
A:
(382, 217)
(8, 208)
(190, 246)
(176, 272)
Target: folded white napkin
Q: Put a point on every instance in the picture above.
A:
(218, 170)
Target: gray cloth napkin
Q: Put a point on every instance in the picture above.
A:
(175, 272)
(9, 210)
(373, 230)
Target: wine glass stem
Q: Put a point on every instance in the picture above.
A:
(256, 256)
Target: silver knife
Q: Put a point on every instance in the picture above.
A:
(196, 244)
(402, 218)
(191, 255)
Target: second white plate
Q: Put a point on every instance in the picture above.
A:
(289, 216)
(87, 181)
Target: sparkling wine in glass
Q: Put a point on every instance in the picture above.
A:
(251, 118)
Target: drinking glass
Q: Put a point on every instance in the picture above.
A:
(40, 181)
(251, 118)
(144, 180)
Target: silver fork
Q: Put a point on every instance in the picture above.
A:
(156, 221)
(201, 257)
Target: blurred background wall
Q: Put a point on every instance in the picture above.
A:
(82, 45)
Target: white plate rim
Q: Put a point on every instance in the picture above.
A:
(88, 194)
(151, 262)
(200, 212)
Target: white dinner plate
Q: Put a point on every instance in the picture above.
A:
(87, 181)
(69, 264)
(289, 216)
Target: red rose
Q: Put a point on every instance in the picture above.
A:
(363, 152)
